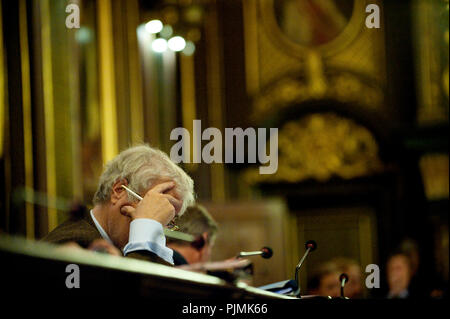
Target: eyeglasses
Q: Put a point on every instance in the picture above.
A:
(171, 225)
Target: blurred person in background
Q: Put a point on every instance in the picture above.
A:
(325, 281)
(399, 272)
(423, 283)
(200, 224)
(410, 248)
(353, 288)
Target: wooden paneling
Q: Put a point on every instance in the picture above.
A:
(339, 232)
(249, 226)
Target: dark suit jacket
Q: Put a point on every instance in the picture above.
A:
(82, 230)
(178, 258)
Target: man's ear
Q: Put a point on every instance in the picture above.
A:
(205, 239)
(117, 191)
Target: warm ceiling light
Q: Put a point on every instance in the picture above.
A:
(159, 45)
(153, 26)
(177, 43)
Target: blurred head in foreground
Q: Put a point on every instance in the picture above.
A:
(199, 223)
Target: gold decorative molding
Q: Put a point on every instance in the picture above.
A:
(434, 168)
(343, 87)
(188, 102)
(135, 76)
(27, 116)
(107, 82)
(2, 87)
(4, 126)
(365, 55)
(273, 63)
(214, 98)
(431, 61)
(270, 55)
(320, 146)
(316, 78)
(251, 47)
(47, 82)
(278, 37)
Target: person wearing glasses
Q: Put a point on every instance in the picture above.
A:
(119, 219)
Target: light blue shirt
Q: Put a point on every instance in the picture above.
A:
(401, 295)
(145, 234)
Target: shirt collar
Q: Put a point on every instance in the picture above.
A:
(100, 228)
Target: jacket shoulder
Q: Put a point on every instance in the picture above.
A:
(79, 230)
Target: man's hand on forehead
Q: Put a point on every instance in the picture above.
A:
(157, 204)
(163, 189)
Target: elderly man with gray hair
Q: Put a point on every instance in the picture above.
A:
(135, 227)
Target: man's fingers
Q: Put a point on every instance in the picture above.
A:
(172, 200)
(127, 211)
(163, 187)
(157, 204)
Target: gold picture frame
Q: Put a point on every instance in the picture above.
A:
(345, 37)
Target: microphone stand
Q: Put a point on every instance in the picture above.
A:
(310, 245)
(265, 252)
(343, 278)
(248, 253)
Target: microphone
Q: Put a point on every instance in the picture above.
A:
(265, 252)
(310, 246)
(343, 278)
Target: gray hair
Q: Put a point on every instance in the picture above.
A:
(142, 166)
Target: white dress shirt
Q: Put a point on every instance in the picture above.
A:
(145, 234)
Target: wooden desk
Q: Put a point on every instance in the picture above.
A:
(29, 267)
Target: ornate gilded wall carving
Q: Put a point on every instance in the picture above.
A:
(431, 34)
(321, 146)
(273, 54)
(294, 58)
(343, 87)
